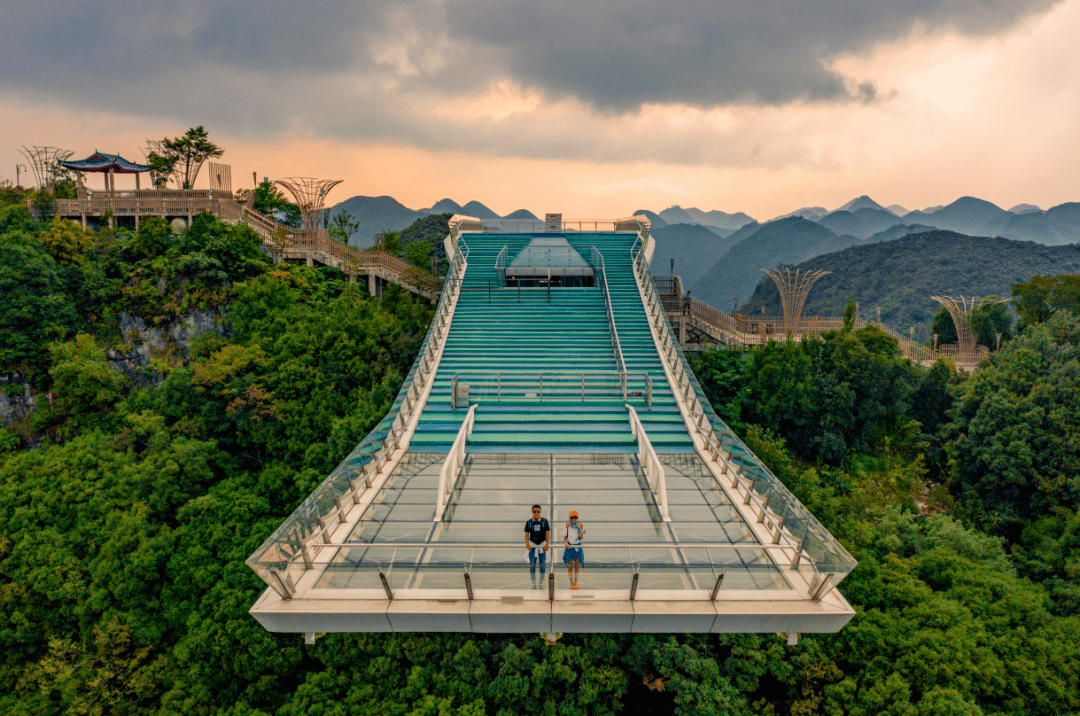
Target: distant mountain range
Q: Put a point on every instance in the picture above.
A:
(791, 239)
(784, 241)
(720, 255)
(376, 214)
(901, 275)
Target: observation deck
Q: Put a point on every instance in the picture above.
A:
(566, 390)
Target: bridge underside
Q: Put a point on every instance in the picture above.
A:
(570, 399)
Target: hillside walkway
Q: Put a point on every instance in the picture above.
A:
(701, 326)
(317, 247)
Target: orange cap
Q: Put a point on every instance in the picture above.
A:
(573, 513)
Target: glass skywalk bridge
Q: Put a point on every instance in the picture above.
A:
(531, 398)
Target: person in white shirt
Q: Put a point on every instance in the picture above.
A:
(573, 555)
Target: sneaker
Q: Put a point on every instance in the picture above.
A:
(573, 586)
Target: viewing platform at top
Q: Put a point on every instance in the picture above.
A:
(551, 376)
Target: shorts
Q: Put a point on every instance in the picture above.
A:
(572, 554)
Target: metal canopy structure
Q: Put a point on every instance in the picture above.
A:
(46, 163)
(794, 287)
(512, 402)
(310, 195)
(960, 308)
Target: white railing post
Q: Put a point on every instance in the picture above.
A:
(650, 463)
(455, 459)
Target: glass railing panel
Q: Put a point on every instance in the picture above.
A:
(279, 553)
(825, 552)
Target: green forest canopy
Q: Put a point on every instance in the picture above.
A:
(126, 512)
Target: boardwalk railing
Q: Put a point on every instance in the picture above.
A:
(145, 202)
(736, 330)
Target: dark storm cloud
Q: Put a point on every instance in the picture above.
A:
(252, 67)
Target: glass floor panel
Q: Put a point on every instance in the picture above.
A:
(491, 504)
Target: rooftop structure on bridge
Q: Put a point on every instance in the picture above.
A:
(572, 398)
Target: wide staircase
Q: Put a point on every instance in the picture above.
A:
(540, 364)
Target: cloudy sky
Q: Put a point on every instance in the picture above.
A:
(591, 109)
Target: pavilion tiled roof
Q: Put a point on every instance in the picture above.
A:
(102, 162)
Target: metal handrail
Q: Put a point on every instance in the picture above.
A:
(702, 425)
(561, 384)
(620, 362)
(451, 467)
(650, 463)
(500, 262)
(603, 545)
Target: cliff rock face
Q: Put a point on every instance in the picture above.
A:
(149, 350)
(16, 400)
(146, 355)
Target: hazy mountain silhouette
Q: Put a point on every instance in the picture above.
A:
(385, 213)
(694, 247)
(478, 210)
(444, 206)
(901, 275)
(720, 219)
(656, 219)
(1024, 209)
(897, 209)
(860, 222)
(376, 214)
(522, 214)
(813, 213)
(966, 215)
(785, 241)
(862, 202)
(895, 232)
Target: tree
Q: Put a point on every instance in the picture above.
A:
(152, 238)
(85, 385)
(1043, 296)
(390, 244)
(417, 253)
(270, 201)
(184, 154)
(35, 307)
(343, 226)
(1016, 431)
(987, 321)
(944, 327)
(66, 241)
(44, 204)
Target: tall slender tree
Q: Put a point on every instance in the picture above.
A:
(183, 155)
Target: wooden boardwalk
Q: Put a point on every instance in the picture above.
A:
(700, 326)
(284, 243)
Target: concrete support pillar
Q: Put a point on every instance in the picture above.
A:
(682, 331)
(310, 261)
(371, 284)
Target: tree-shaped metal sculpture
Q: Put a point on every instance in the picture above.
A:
(310, 195)
(44, 162)
(794, 286)
(960, 309)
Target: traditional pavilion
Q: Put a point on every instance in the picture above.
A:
(108, 164)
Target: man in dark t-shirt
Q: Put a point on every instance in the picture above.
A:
(537, 541)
